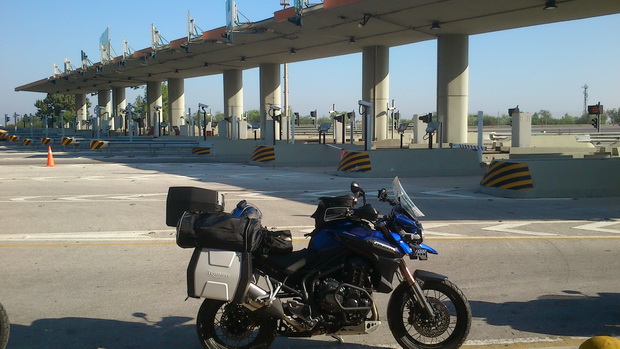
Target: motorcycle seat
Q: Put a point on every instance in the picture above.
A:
(292, 262)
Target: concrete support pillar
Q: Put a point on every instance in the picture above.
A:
(233, 101)
(81, 111)
(119, 102)
(153, 98)
(270, 94)
(103, 99)
(376, 86)
(452, 86)
(176, 102)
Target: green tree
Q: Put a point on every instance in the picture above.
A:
(53, 105)
(614, 115)
(545, 117)
(141, 104)
(253, 116)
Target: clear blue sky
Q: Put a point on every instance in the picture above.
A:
(542, 67)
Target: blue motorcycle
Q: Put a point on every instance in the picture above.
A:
(5, 327)
(255, 287)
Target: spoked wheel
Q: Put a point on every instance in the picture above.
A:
(4, 327)
(226, 325)
(414, 328)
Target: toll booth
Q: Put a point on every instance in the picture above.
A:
(339, 128)
(243, 129)
(521, 128)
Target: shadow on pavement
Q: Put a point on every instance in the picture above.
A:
(170, 332)
(568, 314)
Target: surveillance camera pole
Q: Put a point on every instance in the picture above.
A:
(273, 109)
(204, 107)
(366, 111)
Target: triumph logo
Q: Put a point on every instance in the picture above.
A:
(217, 274)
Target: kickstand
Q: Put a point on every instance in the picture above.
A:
(338, 338)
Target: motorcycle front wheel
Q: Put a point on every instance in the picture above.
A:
(411, 325)
(225, 325)
(4, 327)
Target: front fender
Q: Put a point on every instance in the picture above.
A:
(428, 276)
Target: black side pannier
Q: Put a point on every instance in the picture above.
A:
(332, 209)
(219, 230)
(276, 242)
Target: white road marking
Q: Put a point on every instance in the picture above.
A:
(90, 236)
(598, 226)
(135, 197)
(44, 178)
(93, 178)
(436, 233)
(88, 198)
(527, 340)
(25, 198)
(509, 228)
(321, 193)
(446, 192)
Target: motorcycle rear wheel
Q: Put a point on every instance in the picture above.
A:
(225, 325)
(412, 327)
(4, 327)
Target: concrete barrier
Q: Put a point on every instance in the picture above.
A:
(564, 178)
(385, 163)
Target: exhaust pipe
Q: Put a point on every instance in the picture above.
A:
(256, 298)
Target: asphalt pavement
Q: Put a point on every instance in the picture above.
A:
(88, 262)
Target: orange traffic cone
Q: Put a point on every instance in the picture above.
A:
(50, 157)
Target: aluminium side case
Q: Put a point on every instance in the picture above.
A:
(219, 274)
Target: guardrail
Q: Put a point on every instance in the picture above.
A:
(152, 146)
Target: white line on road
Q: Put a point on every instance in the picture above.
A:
(509, 228)
(598, 226)
(90, 236)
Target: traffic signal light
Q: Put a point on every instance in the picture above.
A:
(296, 118)
(6, 120)
(313, 116)
(595, 123)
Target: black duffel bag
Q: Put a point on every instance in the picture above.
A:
(276, 242)
(219, 230)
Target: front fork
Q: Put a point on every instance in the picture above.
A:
(415, 287)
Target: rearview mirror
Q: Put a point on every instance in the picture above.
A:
(383, 195)
(356, 189)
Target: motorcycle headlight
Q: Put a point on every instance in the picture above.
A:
(416, 238)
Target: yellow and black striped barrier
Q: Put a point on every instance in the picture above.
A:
(98, 144)
(13, 138)
(3, 134)
(508, 175)
(26, 141)
(201, 151)
(66, 140)
(263, 153)
(46, 141)
(355, 162)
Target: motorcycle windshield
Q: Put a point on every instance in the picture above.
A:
(405, 202)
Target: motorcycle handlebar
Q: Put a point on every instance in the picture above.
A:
(383, 196)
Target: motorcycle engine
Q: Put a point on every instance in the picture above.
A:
(349, 299)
